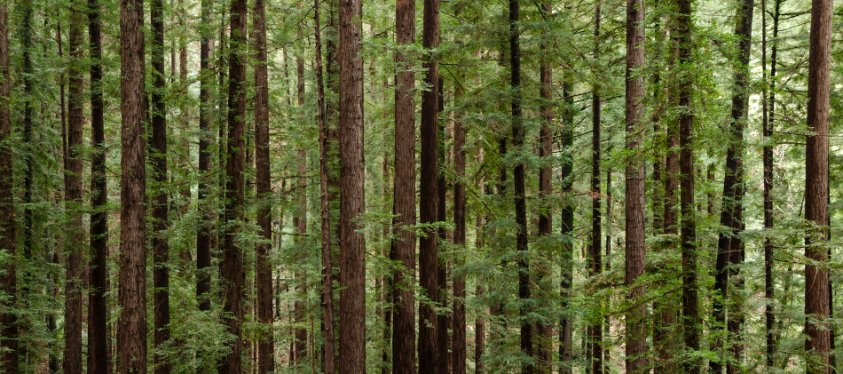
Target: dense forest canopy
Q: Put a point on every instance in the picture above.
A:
(456, 186)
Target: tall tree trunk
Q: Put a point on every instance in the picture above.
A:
(327, 324)
(688, 231)
(544, 337)
(731, 218)
(817, 307)
(203, 235)
(98, 361)
(566, 343)
(403, 248)
(458, 325)
(480, 320)
(768, 123)
(519, 187)
(53, 360)
(74, 236)
(429, 198)
(160, 200)
(131, 329)
(300, 222)
(8, 318)
(263, 277)
(595, 262)
(636, 315)
(442, 319)
(352, 206)
(232, 268)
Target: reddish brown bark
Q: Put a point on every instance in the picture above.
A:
(404, 205)
(131, 329)
(203, 235)
(98, 357)
(636, 315)
(566, 224)
(232, 266)
(595, 261)
(544, 336)
(327, 323)
(817, 309)
(74, 235)
(263, 276)
(8, 319)
(688, 231)
(160, 199)
(429, 196)
(352, 242)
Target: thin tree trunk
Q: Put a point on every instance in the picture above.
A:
(74, 236)
(429, 198)
(8, 319)
(160, 200)
(203, 235)
(458, 323)
(480, 320)
(300, 222)
(688, 232)
(263, 277)
(403, 249)
(595, 262)
(519, 187)
(98, 361)
(352, 205)
(327, 324)
(131, 329)
(232, 267)
(636, 315)
(817, 307)
(544, 337)
(566, 342)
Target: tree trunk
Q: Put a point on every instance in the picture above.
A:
(131, 329)
(74, 236)
(429, 198)
(160, 199)
(8, 319)
(566, 343)
(263, 277)
(519, 187)
(636, 315)
(203, 235)
(544, 337)
(817, 307)
(352, 205)
(458, 324)
(688, 232)
(232, 268)
(98, 361)
(595, 262)
(300, 222)
(404, 205)
(327, 324)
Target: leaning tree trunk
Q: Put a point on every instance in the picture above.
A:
(403, 248)
(74, 236)
(352, 206)
(263, 182)
(98, 357)
(232, 266)
(816, 189)
(429, 198)
(131, 327)
(636, 315)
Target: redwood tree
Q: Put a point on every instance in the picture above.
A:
(429, 191)
(595, 262)
(8, 319)
(403, 247)
(74, 235)
(203, 235)
(263, 276)
(636, 326)
(817, 307)
(352, 241)
(131, 329)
